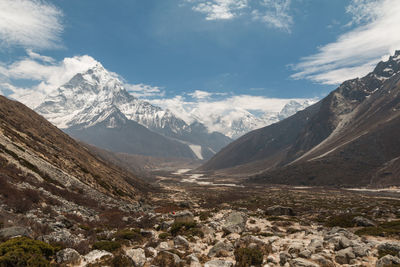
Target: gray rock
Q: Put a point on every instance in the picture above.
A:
(284, 258)
(218, 263)
(14, 231)
(68, 256)
(316, 246)
(184, 217)
(344, 242)
(137, 255)
(279, 210)
(299, 262)
(361, 251)
(165, 225)
(389, 247)
(180, 241)
(150, 252)
(295, 248)
(387, 261)
(322, 261)
(344, 256)
(220, 246)
(245, 241)
(306, 254)
(235, 222)
(362, 221)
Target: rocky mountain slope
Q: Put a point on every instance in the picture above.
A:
(347, 138)
(97, 101)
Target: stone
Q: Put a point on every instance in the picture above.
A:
(137, 255)
(263, 246)
(68, 256)
(362, 221)
(299, 262)
(165, 225)
(180, 241)
(235, 222)
(219, 247)
(150, 252)
(389, 248)
(14, 231)
(284, 257)
(163, 246)
(361, 251)
(344, 242)
(96, 255)
(166, 258)
(344, 256)
(278, 210)
(316, 245)
(218, 263)
(387, 261)
(322, 261)
(295, 248)
(184, 217)
(306, 254)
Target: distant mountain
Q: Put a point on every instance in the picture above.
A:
(94, 104)
(235, 122)
(347, 138)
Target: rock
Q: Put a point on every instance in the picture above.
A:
(163, 246)
(61, 236)
(96, 255)
(218, 263)
(68, 256)
(299, 262)
(150, 252)
(316, 246)
(306, 254)
(184, 217)
(137, 255)
(14, 231)
(387, 260)
(166, 258)
(220, 247)
(279, 211)
(180, 241)
(264, 247)
(344, 242)
(295, 248)
(389, 248)
(344, 256)
(283, 258)
(360, 251)
(361, 221)
(235, 222)
(322, 261)
(165, 225)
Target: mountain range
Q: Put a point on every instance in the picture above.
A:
(95, 107)
(347, 138)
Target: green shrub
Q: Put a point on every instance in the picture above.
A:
(179, 227)
(246, 257)
(163, 236)
(342, 220)
(129, 235)
(23, 251)
(204, 215)
(109, 246)
(384, 229)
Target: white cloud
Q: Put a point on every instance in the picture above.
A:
(355, 53)
(219, 113)
(275, 14)
(29, 23)
(143, 90)
(219, 9)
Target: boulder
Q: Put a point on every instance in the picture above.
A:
(180, 241)
(322, 261)
(362, 221)
(68, 256)
(166, 258)
(306, 254)
(137, 255)
(344, 256)
(316, 246)
(96, 255)
(14, 231)
(387, 260)
(389, 248)
(184, 217)
(278, 210)
(235, 222)
(220, 247)
(218, 263)
(299, 262)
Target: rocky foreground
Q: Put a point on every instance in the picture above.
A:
(212, 238)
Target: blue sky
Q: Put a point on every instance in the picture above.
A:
(271, 49)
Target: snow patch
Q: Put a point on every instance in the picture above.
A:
(197, 151)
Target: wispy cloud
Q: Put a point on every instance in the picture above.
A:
(144, 90)
(273, 13)
(30, 24)
(375, 35)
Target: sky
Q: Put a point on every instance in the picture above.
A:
(197, 50)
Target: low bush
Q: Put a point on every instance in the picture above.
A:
(386, 229)
(133, 235)
(109, 246)
(23, 251)
(341, 220)
(246, 257)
